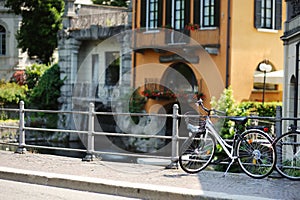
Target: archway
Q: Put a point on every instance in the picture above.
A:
(182, 80)
(172, 78)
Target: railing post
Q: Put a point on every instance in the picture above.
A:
(21, 148)
(278, 132)
(278, 121)
(90, 143)
(175, 146)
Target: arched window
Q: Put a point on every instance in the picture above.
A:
(2, 40)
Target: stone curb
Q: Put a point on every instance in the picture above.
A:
(120, 188)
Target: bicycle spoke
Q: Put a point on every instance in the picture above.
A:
(198, 154)
(256, 155)
(288, 150)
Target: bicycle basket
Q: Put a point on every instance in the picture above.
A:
(195, 119)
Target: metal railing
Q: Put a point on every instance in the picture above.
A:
(91, 133)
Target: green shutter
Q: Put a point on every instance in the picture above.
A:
(160, 13)
(257, 14)
(217, 13)
(197, 12)
(187, 12)
(168, 12)
(143, 13)
(278, 14)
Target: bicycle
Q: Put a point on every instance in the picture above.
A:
(288, 154)
(252, 149)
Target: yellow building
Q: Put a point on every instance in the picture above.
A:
(205, 46)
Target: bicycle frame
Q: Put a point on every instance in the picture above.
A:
(230, 153)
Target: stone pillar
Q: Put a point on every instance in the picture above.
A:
(126, 62)
(68, 13)
(68, 51)
(126, 52)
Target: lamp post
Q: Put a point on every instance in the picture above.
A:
(264, 67)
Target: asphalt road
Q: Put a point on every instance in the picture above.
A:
(12, 190)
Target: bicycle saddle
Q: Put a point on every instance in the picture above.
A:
(239, 120)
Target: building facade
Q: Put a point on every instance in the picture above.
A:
(11, 57)
(212, 43)
(291, 39)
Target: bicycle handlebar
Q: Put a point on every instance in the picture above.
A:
(208, 111)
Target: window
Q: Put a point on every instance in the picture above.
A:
(112, 72)
(177, 13)
(268, 14)
(208, 9)
(151, 14)
(95, 68)
(2, 40)
(206, 13)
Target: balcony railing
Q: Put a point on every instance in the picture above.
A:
(103, 19)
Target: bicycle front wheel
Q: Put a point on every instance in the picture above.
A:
(256, 154)
(288, 155)
(197, 152)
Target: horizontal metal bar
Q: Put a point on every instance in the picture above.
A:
(54, 148)
(54, 130)
(132, 135)
(12, 127)
(57, 111)
(10, 109)
(132, 114)
(10, 144)
(129, 154)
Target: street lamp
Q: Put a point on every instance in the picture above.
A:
(264, 67)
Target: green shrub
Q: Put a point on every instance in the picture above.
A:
(45, 94)
(12, 93)
(225, 103)
(33, 74)
(268, 109)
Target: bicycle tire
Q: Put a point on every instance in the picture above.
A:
(197, 152)
(288, 155)
(256, 154)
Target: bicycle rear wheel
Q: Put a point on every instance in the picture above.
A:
(288, 155)
(256, 154)
(197, 152)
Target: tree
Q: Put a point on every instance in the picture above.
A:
(41, 20)
(120, 3)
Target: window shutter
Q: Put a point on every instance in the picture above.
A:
(217, 13)
(197, 12)
(160, 13)
(278, 14)
(257, 14)
(143, 13)
(187, 12)
(168, 12)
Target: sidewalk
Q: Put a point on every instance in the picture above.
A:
(138, 180)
